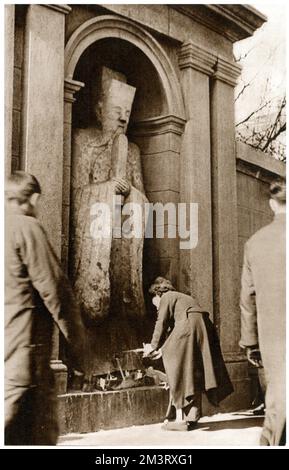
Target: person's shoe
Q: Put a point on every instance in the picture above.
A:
(175, 426)
(191, 425)
(171, 414)
(259, 411)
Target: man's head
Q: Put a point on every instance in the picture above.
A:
(23, 190)
(278, 196)
(114, 102)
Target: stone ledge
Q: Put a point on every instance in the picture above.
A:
(214, 65)
(235, 22)
(62, 8)
(193, 56)
(90, 412)
(70, 88)
(158, 125)
(258, 161)
(227, 72)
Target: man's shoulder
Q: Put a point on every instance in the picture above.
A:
(20, 228)
(21, 219)
(261, 235)
(25, 223)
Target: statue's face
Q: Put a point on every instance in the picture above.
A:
(115, 107)
(115, 115)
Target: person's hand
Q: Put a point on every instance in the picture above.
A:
(155, 355)
(254, 357)
(121, 186)
(147, 349)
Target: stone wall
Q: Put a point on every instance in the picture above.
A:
(255, 171)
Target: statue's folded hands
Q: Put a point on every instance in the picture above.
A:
(122, 186)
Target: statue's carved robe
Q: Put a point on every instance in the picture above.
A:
(106, 272)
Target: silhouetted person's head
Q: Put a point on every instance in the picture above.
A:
(22, 191)
(278, 196)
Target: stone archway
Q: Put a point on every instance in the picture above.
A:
(109, 26)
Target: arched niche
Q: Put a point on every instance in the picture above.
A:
(157, 119)
(124, 57)
(109, 26)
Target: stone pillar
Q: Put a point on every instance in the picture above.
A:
(43, 126)
(196, 65)
(8, 66)
(224, 197)
(43, 109)
(225, 230)
(70, 88)
(208, 177)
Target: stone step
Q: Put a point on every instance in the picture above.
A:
(80, 412)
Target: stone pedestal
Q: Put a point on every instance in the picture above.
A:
(90, 412)
(60, 375)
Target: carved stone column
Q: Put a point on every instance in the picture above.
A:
(208, 177)
(196, 65)
(43, 126)
(225, 230)
(43, 109)
(9, 63)
(224, 197)
(70, 88)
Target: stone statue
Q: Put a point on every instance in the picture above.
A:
(107, 272)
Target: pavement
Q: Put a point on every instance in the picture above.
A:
(223, 429)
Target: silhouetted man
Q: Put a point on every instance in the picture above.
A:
(263, 311)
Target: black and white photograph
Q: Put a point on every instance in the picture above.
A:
(144, 210)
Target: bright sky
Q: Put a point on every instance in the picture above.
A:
(267, 60)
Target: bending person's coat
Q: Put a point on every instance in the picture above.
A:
(190, 349)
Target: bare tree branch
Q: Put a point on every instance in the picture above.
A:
(242, 57)
(254, 112)
(242, 91)
(277, 127)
